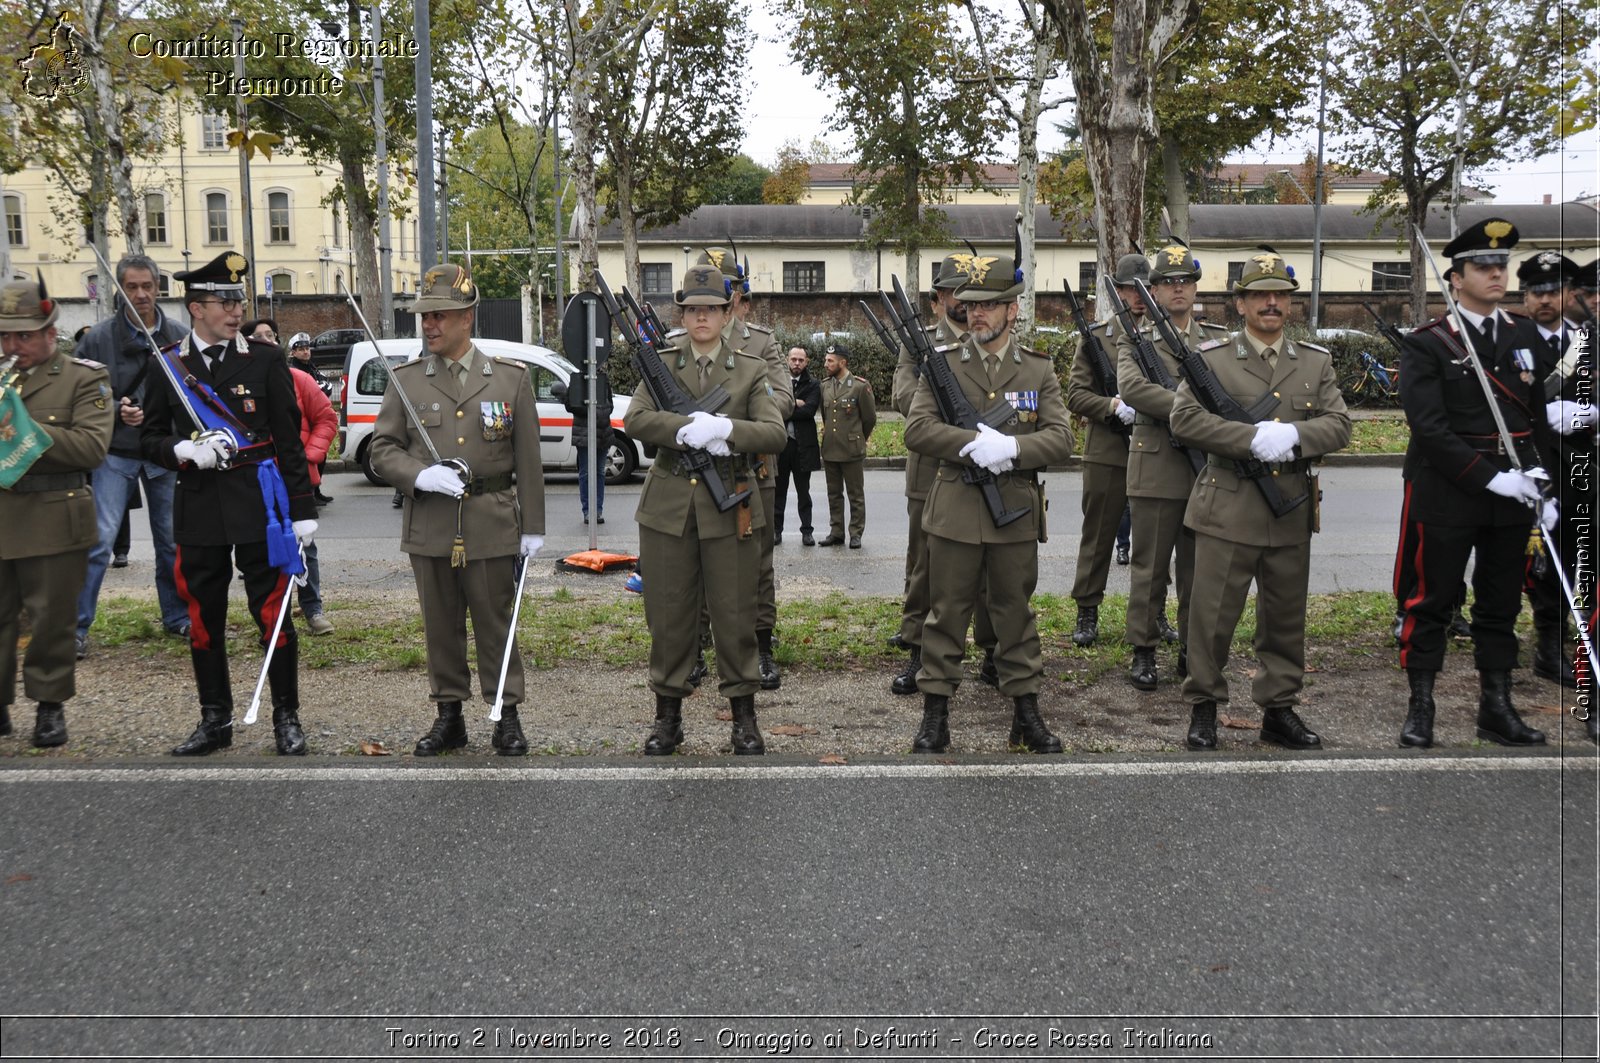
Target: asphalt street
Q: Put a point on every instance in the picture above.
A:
(1160, 908)
(358, 542)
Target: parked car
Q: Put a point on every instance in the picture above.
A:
(331, 349)
(366, 380)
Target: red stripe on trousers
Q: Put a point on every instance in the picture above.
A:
(1417, 596)
(199, 637)
(271, 607)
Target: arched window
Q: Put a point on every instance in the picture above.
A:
(216, 217)
(279, 229)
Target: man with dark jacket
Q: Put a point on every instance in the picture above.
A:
(800, 456)
(120, 345)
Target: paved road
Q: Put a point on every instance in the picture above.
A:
(1359, 907)
(359, 539)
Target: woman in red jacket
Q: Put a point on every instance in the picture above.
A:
(318, 427)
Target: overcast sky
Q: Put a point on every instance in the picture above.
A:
(787, 104)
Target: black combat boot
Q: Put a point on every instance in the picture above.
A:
(1088, 628)
(1459, 628)
(449, 731)
(746, 734)
(770, 677)
(215, 732)
(1183, 661)
(1028, 730)
(508, 739)
(5, 720)
(1549, 658)
(1497, 718)
(906, 682)
(1417, 732)
(284, 677)
(697, 674)
(1282, 726)
(934, 734)
(50, 725)
(1169, 634)
(1202, 725)
(987, 672)
(667, 734)
(1143, 673)
(898, 641)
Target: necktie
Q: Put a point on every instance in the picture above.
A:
(1554, 340)
(1271, 356)
(459, 368)
(705, 372)
(991, 363)
(213, 355)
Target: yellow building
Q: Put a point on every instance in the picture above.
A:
(192, 213)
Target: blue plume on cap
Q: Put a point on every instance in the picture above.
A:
(1289, 270)
(727, 287)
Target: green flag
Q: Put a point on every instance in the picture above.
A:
(21, 438)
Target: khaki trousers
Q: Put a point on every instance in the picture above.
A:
(1105, 496)
(48, 588)
(1223, 572)
(1158, 533)
(487, 589)
(846, 478)
(1004, 576)
(684, 575)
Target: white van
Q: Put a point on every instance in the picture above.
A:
(365, 381)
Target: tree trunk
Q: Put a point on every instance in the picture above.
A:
(1028, 178)
(585, 167)
(630, 226)
(1177, 187)
(1421, 273)
(118, 165)
(363, 227)
(912, 194)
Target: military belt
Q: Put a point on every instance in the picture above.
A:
(1494, 444)
(1277, 468)
(484, 485)
(727, 468)
(254, 455)
(35, 482)
(1145, 418)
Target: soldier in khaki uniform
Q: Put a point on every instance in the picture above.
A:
(1105, 462)
(965, 548)
(757, 340)
(848, 416)
(1237, 539)
(697, 556)
(464, 529)
(1160, 476)
(47, 523)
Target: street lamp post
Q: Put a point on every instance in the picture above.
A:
(1316, 239)
(245, 204)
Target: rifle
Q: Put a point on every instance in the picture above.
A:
(1386, 330)
(1105, 373)
(1151, 365)
(954, 409)
(885, 337)
(641, 329)
(1215, 399)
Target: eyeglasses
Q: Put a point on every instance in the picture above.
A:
(223, 301)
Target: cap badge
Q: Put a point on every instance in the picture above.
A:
(1497, 231)
(236, 265)
(974, 266)
(10, 300)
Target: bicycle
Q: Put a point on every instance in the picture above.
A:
(1371, 381)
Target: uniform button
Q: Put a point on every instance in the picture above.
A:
(461, 413)
(52, 417)
(1276, 395)
(70, 494)
(460, 441)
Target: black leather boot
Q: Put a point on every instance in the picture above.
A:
(1183, 661)
(898, 641)
(215, 732)
(1417, 732)
(508, 739)
(1088, 628)
(987, 672)
(5, 720)
(1459, 627)
(933, 736)
(1202, 725)
(1169, 634)
(1143, 672)
(1282, 726)
(906, 682)
(746, 734)
(1028, 729)
(1497, 718)
(284, 678)
(50, 725)
(667, 734)
(1550, 658)
(697, 674)
(771, 679)
(449, 731)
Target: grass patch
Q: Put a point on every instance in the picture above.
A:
(888, 439)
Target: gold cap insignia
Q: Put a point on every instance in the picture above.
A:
(1177, 255)
(716, 255)
(10, 300)
(1497, 231)
(1268, 263)
(974, 266)
(236, 265)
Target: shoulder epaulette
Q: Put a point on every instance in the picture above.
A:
(1211, 345)
(1312, 346)
(89, 363)
(501, 359)
(1438, 322)
(1214, 327)
(753, 327)
(1031, 351)
(679, 331)
(1515, 314)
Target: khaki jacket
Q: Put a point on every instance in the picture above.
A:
(955, 509)
(493, 426)
(746, 338)
(1101, 445)
(849, 414)
(1155, 468)
(70, 399)
(1227, 505)
(669, 498)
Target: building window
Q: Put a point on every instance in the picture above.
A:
(216, 218)
(164, 286)
(213, 132)
(656, 278)
(1235, 271)
(155, 218)
(282, 282)
(278, 218)
(804, 277)
(1391, 276)
(15, 233)
(1086, 276)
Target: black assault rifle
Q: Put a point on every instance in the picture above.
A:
(1153, 368)
(1386, 330)
(643, 333)
(885, 337)
(954, 409)
(1105, 372)
(1211, 395)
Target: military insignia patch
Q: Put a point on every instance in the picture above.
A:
(975, 267)
(1026, 403)
(10, 300)
(1497, 231)
(236, 264)
(496, 421)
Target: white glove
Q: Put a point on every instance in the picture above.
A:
(993, 450)
(441, 479)
(532, 544)
(1568, 417)
(304, 530)
(1274, 441)
(1124, 412)
(1517, 486)
(202, 453)
(702, 429)
(1549, 513)
(719, 448)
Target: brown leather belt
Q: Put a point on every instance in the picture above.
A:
(35, 482)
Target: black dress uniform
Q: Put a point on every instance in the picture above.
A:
(219, 518)
(801, 456)
(1454, 454)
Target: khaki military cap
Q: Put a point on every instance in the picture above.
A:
(445, 287)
